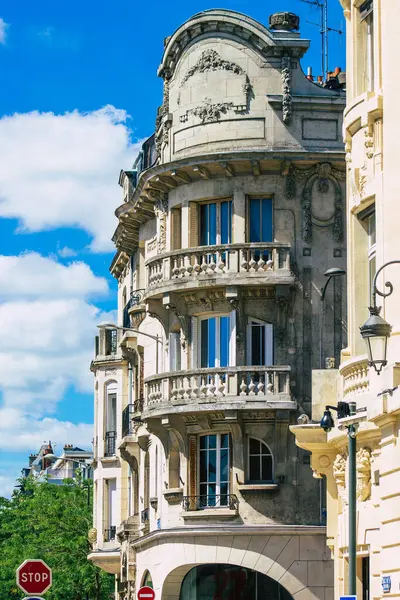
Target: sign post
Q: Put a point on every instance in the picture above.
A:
(146, 593)
(34, 577)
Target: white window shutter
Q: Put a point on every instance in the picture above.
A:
(269, 344)
(232, 339)
(194, 342)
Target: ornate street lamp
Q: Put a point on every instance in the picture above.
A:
(376, 330)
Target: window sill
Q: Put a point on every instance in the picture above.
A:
(258, 487)
(109, 459)
(210, 513)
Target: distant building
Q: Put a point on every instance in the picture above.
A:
(230, 217)
(66, 466)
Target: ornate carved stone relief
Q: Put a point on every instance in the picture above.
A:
(286, 89)
(363, 474)
(339, 474)
(211, 109)
(161, 209)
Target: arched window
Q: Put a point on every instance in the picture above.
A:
(260, 462)
(147, 580)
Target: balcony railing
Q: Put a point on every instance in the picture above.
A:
(213, 501)
(110, 442)
(109, 534)
(255, 259)
(127, 415)
(211, 385)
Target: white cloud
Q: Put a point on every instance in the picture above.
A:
(31, 275)
(71, 164)
(67, 252)
(47, 328)
(3, 30)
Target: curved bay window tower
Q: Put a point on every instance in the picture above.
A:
(231, 214)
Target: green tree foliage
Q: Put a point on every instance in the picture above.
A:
(51, 522)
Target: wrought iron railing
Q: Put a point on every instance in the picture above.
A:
(137, 297)
(212, 501)
(145, 515)
(109, 534)
(127, 425)
(110, 443)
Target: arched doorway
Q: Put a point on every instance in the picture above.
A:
(230, 582)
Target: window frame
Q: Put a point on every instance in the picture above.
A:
(249, 352)
(218, 202)
(365, 217)
(263, 443)
(260, 197)
(218, 465)
(232, 332)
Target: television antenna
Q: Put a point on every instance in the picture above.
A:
(322, 5)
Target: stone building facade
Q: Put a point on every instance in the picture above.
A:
(371, 131)
(232, 213)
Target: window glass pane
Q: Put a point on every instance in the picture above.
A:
(255, 224)
(226, 222)
(212, 220)
(203, 441)
(203, 466)
(224, 341)
(264, 449)
(266, 474)
(223, 501)
(266, 220)
(254, 468)
(372, 230)
(224, 464)
(212, 465)
(211, 342)
(212, 441)
(256, 344)
(224, 440)
(204, 343)
(254, 446)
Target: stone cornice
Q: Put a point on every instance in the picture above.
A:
(230, 24)
(226, 529)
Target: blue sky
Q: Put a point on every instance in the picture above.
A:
(80, 91)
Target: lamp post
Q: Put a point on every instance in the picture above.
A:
(376, 330)
(349, 418)
(330, 274)
(157, 338)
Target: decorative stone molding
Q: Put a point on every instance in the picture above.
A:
(369, 142)
(208, 112)
(161, 210)
(355, 379)
(286, 89)
(363, 474)
(210, 60)
(173, 495)
(284, 21)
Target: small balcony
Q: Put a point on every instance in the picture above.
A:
(229, 501)
(219, 388)
(194, 267)
(110, 443)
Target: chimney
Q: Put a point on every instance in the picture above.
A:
(309, 74)
(32, 457)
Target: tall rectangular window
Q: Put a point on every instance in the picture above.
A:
(260, 220)
(214, 342)
(110, 508)
(259, 343)
(216, 223)
(214, 470)
(365, 47)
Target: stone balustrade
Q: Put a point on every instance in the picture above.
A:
(202, 386)
(204, 262)
(355, 379)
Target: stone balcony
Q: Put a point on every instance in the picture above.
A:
(218, 388)
(252, 264)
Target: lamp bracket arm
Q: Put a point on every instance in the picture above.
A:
(388, 284)
(331, 407)
(323, 290)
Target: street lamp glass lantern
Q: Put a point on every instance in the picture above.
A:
(376, 332)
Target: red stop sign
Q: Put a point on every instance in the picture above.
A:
(146, 593)
(34, 577)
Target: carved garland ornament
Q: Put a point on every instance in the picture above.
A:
(363, 459)
(161, 209)
(208, 111)
(286, 89)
